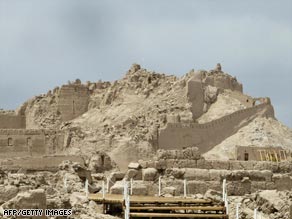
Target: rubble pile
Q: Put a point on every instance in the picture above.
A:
(270, 204)
(267, 190)
(64, 189)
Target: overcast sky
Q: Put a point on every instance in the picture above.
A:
(45, 43)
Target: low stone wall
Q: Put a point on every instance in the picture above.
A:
(199, 182)
(242, 177)
(239, 182)
(162, 164)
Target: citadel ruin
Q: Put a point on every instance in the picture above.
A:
(144, 127)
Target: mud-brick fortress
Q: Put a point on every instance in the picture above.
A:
(180, 135)
(16, 140)
(19, 138)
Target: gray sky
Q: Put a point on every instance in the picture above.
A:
(45, 43)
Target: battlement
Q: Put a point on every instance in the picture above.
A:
(205, 136)
(216, 122)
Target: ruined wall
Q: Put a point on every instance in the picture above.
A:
(163, 164)
(12, 121)
(44, 163)
(206, 136)
(73, 101)
(262, 153)
(54, 141)
(195, 95)
(201, 175)
(222, 81)
(246, 100)
(21, 143)
(198, 90)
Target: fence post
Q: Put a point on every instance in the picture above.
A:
(224, 189)
(255, 213)
(185, 188)
(237, 210)
(126, 200)
(107, 185)
(224, 195)
(159, 186)
(128, 207)
(131, 191)
(103, 190)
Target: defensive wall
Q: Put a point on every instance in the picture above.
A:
(12, 121)
(17, 141)
(246, 100)
(29, 142)
(73, 101)
(222, 81)
(206, 136)
(198, 95)
(195, 96)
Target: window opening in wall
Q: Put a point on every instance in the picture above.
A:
(245, 156)
(149, 80)
(257, 102)
(102, 160)
(10, 142)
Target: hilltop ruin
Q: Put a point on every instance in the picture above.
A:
(200, 127)
(68, 116)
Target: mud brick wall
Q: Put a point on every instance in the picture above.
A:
(29, 142)
(14, 143)
(206, 136)
(73, 101)
(163, 164)
(242, 178)
(12, 122)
